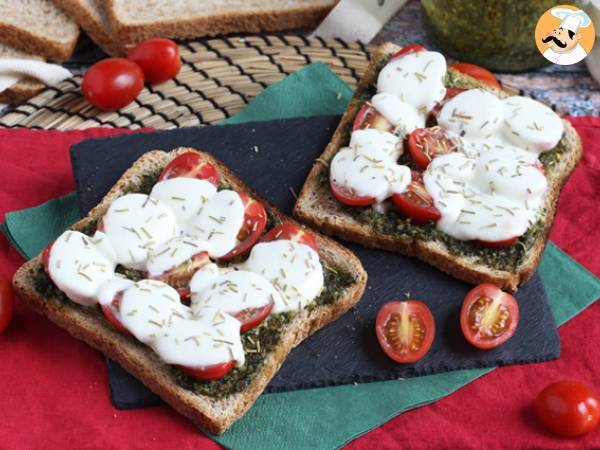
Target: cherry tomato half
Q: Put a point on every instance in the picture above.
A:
(424, 144)
(405, 330)
(191, 165)
(209, 373)
(253, 317)
(568, 408)
(369, 117)
(496, 244)
(407, 49)
(158, 59)
(450, 94)
(478, 72)
(489, 316)
(255, 221)
(416, 202)
(112, 83)
(46, 257)
(349, 197)
(7, 303)
(292, 232)
(179, 277)
(109, 314)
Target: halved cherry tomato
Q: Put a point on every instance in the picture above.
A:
(158, 59)
(368, 117)
(450, 94)
(496, 244)
(568, 408)
(477, 72)
(407, 49)
(191, 165)
(416, 202)
(253, 317)
(489, 316)
(291, 232)
(209, 373)
(7, 303)
(405, 330)
(348, 197)
(425, 144)
(255, 221)
(112, 83)
(108, 313)
(46, 257)
(179, 277)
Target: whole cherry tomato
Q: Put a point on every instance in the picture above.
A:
(158, 59)
(112, 83)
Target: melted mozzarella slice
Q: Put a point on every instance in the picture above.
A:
(531, 125)
(293, 269)
(172, 253)
(111, 289)
(416, 78)
(185, 196)
(403, 116)
(80, 265)
(134, 224)
(389, 143)
(231, 290)
(219, 222)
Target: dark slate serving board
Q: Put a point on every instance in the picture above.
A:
(345, 351)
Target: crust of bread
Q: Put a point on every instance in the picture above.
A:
(21, 91)
(38, 45)
(317, 206)
(89, 325)
(216, 24)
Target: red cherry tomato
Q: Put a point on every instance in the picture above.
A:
(209, 373)
(46, 257)
(253, 317)
(348, 197)
(496, 244)
(369, 117)
(568, 408)
(408, 49)
(424, 144)
(450, 94)
(291, 232)
(191, 165)
(7, 302)
(179, 277)
(405, 330)
(112, 83)
(255, 221)
(416, 202)
(489, 316)
(108, 313)
(158, 59)
(477, 72)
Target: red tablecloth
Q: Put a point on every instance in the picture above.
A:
(53, 387)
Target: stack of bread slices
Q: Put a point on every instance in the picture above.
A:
(48, 29)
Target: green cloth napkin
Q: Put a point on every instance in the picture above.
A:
(326, 417)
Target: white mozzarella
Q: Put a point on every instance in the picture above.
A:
(109, 290)
(79, 265)
(403, 116)
(173, 253)
(389, 143)
(134, 224)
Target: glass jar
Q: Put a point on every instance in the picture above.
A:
(497, 34)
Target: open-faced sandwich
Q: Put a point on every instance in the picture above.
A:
(192, 283)
(434, 163)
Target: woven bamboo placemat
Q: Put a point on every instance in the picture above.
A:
(218, 78)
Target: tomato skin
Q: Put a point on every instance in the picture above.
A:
(255, 221)
(408, 49)
(46, 257)
(291, 232)
(112, 83)
(394, 310)
(478, 72)
(424, 144)
(349, 198)
(108, 313)
(368, 117)
(416, 202)
(191, 165)
(568, 408)
(209, 373)
(179, 277)
(478, 334)
(158, 59)
(253, 317)
(7, 303)
(497, 244)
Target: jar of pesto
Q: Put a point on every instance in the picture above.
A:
(497, 34)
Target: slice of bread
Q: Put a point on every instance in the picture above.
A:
(38, 27)
(134, 21)
(25, 88)
(317, 206)
(91, 16)
(88, 324)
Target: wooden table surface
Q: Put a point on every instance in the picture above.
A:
(570, 88)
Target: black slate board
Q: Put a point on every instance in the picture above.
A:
(347, 350)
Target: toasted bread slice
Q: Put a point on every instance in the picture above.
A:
(317, 206)
(214, 415)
